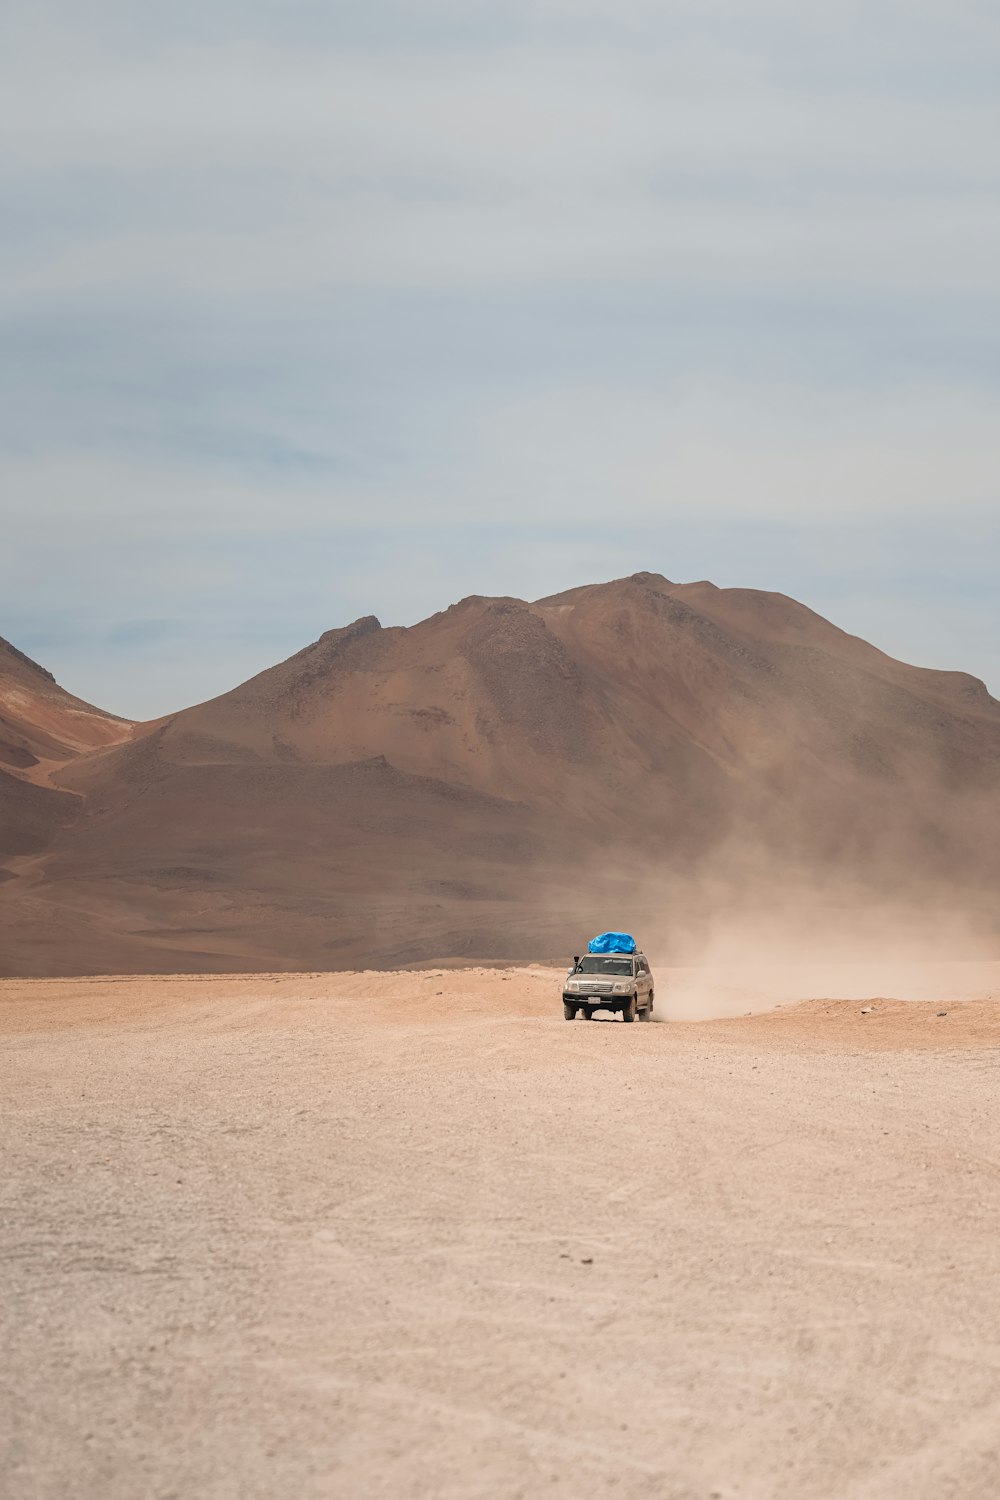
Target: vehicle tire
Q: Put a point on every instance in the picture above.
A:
(628, 1009)
(587, 1013)
(569, 1011)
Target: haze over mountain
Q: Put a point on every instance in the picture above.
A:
(497, 779)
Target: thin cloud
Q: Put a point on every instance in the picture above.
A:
(287, 287)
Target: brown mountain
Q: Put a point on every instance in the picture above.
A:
(503, 775)
(42, 727)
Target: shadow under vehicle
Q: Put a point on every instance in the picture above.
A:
(609, 981)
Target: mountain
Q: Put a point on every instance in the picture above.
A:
(42, 727)
(504, 775)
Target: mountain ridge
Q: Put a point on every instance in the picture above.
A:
(615, 745)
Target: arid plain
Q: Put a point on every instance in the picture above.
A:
(390, 1234)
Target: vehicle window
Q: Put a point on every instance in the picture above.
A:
(604, 963)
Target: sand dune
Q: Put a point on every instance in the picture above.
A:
(412, 1234)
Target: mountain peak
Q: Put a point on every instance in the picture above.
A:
(652, 580)
(341, 635)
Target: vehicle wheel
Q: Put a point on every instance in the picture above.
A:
(569, 1011)
(628, 1009)
(588, 1014)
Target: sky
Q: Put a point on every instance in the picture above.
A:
(309, 311)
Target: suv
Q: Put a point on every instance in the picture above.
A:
(609, 981)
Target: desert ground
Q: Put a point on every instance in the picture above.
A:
(413, 1234)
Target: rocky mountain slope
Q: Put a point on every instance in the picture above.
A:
(42, 727)
(491, 781)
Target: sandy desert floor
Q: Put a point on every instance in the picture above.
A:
(413, 1235)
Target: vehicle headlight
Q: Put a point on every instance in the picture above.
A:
(573, 984)
(621, 989)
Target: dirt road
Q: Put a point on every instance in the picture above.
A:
(414, 1235)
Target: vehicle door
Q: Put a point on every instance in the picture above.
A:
(645, 981)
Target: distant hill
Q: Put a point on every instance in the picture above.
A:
(42, 727)
(504, 775)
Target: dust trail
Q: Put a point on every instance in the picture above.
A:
(752, 962)
(746, 930)
(715, 990)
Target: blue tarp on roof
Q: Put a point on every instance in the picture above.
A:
(612, 942)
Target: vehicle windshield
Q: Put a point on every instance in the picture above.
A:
(602, 963)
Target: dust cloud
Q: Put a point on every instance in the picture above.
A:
(743, 962)
(738, 936)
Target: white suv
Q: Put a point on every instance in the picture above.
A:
(609, 981)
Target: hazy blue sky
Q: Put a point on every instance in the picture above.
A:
(315, 310)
